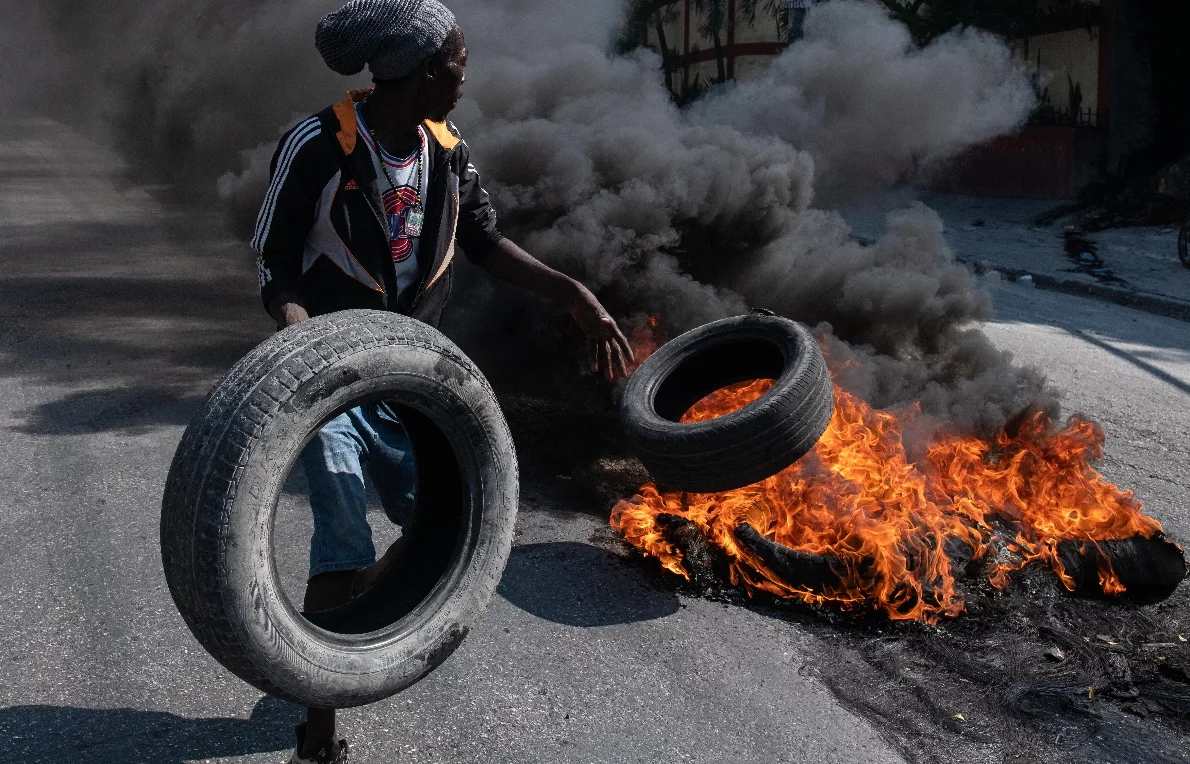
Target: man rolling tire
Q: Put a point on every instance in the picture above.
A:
(367, 201)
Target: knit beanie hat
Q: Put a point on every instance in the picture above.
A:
(392, 37)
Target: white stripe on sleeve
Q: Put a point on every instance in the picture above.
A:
(298, 138)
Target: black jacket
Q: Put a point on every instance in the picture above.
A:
(322, 235)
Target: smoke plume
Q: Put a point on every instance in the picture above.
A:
(690, 214)
(870, 106)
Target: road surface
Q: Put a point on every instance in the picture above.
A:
(117, 312)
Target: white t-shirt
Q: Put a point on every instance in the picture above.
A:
(399, 182)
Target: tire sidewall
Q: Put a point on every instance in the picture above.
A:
(302, 662)
(742, 446)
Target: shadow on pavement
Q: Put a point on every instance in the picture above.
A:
(118, 308)
(1079, 315)
(120, 353)
(580, 585)
(129, 409)
(36, 734)
(1137, 359)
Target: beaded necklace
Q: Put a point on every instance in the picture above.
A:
(415, 215)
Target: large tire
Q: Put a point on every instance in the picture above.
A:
(221, 495)
(747, 445)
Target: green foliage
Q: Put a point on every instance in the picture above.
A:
(926, 20)
(748, 10)
(1075, 96)
(641, 13)
(1045, 113)
(1013, 19)
(638, 18)
(715, 13)
(648, 16)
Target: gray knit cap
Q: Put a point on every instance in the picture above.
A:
(391, 36)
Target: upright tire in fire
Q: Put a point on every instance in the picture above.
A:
(222, 491)
(744, 446)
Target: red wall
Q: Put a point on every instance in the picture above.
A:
(1038, 162)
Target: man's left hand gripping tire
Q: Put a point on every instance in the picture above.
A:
(229, 469)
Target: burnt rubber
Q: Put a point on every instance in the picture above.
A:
(220, 499)
(744, 446)
(1149, 568)
(798, 569)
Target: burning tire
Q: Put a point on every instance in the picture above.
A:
(223, 487)
(744, 446)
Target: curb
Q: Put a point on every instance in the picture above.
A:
(1160, 306)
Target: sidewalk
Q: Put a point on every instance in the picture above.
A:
(1137, 267)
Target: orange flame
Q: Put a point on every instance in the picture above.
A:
(890, 519)
(644, 338)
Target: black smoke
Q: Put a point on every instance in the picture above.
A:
(689, 215)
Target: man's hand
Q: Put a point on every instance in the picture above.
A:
(515, 266)
(287, 311)
(610, 351)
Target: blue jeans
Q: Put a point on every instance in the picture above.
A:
(369, 435)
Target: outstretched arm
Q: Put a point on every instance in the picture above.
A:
(610, 351)
(485, 245)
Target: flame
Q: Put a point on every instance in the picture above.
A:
(890, 518)
(644, 339)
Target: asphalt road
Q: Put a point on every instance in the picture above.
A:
(118, 310)
(1127, 370)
